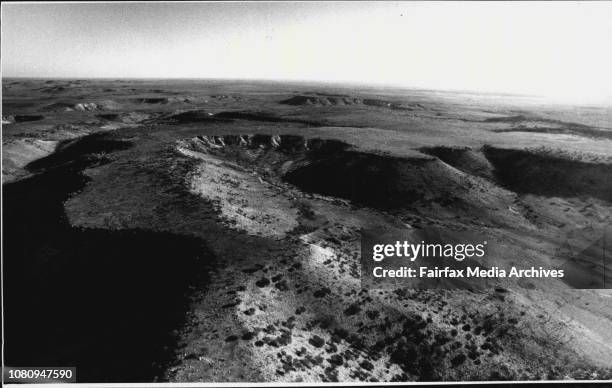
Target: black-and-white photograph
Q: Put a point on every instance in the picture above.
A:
(306, 192)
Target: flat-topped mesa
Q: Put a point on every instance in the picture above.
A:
(21, 118)
(336, 169)
(339, 100)
(322, 100)
(151, 100)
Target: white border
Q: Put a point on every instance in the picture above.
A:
(241, 384)
(318, 384)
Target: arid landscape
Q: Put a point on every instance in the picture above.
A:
(209, 231)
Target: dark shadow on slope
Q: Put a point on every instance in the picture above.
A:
(150, 100)
(108, 116)
(463, 158)
(58, 106)
(26, 118)
(544, 174)
(507, 119)
(201, 116)
(81, 150)
(265, 117)
(105, 301)
(366, 179)
(570, 130)
(522, 123)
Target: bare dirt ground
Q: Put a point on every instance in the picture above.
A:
(209, 231)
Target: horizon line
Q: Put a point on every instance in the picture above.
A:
(290, 80)
(540, 98)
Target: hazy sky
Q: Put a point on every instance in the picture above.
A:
(559, 49)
